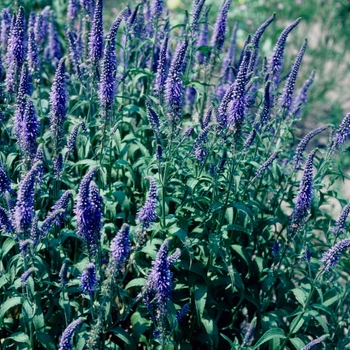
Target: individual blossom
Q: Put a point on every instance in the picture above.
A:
(58, 104)
(302, 96)
(174, 83)
(250, 332)
(96, 36)
(147, 213)
(304, 197)
(72, 138)
(314, 343)
(332, 255)
(5, 184)
(288, 91)
(67, 336)
(25, 276)
(265, 165)
(298, 159)
(203, 37)
(153, 117)
(340, 224)
(53, 51)
(219, 34)
(29, 131)
(276, 60)
(343, 132)
(196, 12)
(32, 53)
(162, 69)
(120, 247)
(24, 209)
(89, 280)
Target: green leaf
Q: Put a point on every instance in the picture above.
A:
(7, 246)
(20, 338)
(298, 343)
(46, 340)
(299, 296)
(136, 282)
(200, 298)
(270, 334)
(8, 304)
(125, 337)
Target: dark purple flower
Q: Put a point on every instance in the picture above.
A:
(58, 104)
(304, 198)
(54, 51)
(72, 10)
(264, 166)
(174, 83)
(298, 159)
(162, 69)
(302, 96)
(39, 158)
(120, 247)
(67, 336)
(64, 271)
(199, 151)
(32, 54)
(96, 35)
(315, 342)
(17, 45)
(276, 60)
(53, 218)
(5, 221)
(307, 255)
(275, 250)
(5, 184)
(157, 8)
(89, 280)
(223, 161)
(196, 12)
(340, 224)
(159, 153)
(72, 138)
(219, 34)
(147, 213)
(63, 202)
(332, 255)
(74, 53)
(288, 91)
(24, 209)
(5, 27)
(29, 131)
(58, 166)
(203, 37)
(265, 114)
(181, 314)
(153, 117)
(343, 132)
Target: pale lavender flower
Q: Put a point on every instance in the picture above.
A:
(147, 213)
(174, 83)
(298, 159)
(302, 96)
(159, 153)
(188, 132)
(162, 69)
(153, 117)
(58, 104)
(219, 34)
(120, 247)
(54, 51)
(67, 336)
(96, 35)
(315, 342)
(72, 10)
(288, 91)
(196, 12)
(332, 255)
(157, 8)
(249, 140)
(25, 276)
(343, 132)
(24, 245)
(204, 122)
(5, 27)
(203, 37)
(174, 257)
(340, 224)
(265, 165)
(89, 280)
(51, 219)
(5, 184)
(29, 131)
(304, 197)
(190, 98)
(276, 60)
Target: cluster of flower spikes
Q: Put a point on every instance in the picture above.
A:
(88, 213)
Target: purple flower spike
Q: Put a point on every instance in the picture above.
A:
(53, 218)
(196, 12)
(199, 151)
(89, 280)
(302, 96)
(88, 6)
(24, 209)
(32, 54)
(41, 25)
(340, 224)
(332, 255)
(153, 117)
(314, 343)
(265, 114)
(203, 37)
(276, 61)
(17, 47)
(64, 271)
(54, 51)
(174, 84)
(67, 336)
(304, 198)
(5, 184)
(219, 34)
(120, 247)
(29, 131)
(72, 10)
(72, 138)
(264, 166)
(288, 91)
(58, 104)
(250, 332)
(343, 132)
(5, 27)
(299, 158)
(62, 203)
(74, 54)
(25, 276)
(58, 167)
(157, 8)
(96, 36)
(147, 213)
(162, 69)
(5, 221)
